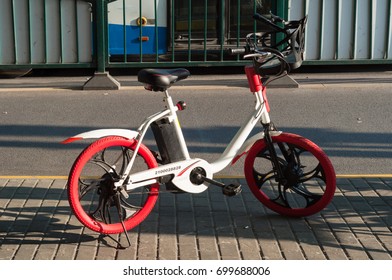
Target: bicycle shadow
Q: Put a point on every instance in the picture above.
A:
(208, 215)
(202, 139)
(34, 213)
(360, 211)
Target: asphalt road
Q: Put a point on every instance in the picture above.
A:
(350, 118)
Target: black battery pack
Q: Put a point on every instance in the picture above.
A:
(167, 141)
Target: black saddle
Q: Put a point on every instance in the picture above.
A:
(161, 79)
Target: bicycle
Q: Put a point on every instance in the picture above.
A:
(114, 182)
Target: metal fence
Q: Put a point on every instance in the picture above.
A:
(45, 33)
(177, 32)
(346, 31)
(103, 34)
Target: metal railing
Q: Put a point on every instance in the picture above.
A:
(45, 33)
(37, 34)
(346, 31)
(104, 34)
(196, 33)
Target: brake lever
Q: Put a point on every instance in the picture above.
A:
(258, 55)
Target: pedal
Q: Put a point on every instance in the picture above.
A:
(229, 190)
(232, 190)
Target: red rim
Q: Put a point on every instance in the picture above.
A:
(330, 184)
(73, 186)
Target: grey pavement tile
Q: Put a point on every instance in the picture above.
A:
(37, 223)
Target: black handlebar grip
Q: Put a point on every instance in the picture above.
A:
(276, 18)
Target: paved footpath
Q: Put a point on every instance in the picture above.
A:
(36, 223)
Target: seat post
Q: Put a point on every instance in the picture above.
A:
(169, 102)
(174, 118)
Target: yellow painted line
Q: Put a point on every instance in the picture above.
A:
(354, 176)
(229, 177)
(342, 176)
(34, 177)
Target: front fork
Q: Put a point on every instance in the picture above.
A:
(277, 167)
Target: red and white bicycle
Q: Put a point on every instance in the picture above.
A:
(115, 182)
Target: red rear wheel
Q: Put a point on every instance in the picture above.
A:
(91, 191)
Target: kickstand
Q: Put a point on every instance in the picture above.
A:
(120, 216)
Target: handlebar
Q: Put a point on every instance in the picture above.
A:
(240, 50)
(270, 57)
(276, 18)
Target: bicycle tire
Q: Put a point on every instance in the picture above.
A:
(86, 182)
(309, 181)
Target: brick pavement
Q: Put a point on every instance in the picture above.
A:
(36, 223)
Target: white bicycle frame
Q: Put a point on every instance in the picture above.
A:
(181, 170)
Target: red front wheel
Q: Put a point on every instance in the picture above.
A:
(91, 192)
(307, 183)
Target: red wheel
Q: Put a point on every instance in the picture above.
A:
(308, 183)
(91, 193)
